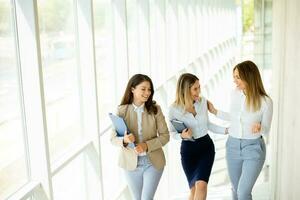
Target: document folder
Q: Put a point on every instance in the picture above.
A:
(178, 125)
(119, 124)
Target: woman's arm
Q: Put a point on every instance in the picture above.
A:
(173, 132)
(223, 115)
(220, 114)
(163, 132)
(117, 141)
(121, 141)
(267, 117)
(217, 129)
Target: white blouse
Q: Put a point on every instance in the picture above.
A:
(139, 111)
(199, 124)
(242, 120)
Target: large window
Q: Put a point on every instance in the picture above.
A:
(157, 42)
(132, 20)
(107, 93)
(64, 65)
(172, 38)
(60, 74)
(13, 170)
(78, 180)
(138, 37)
(104, 57)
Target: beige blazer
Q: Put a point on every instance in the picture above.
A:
(155, 134)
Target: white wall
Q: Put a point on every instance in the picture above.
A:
(286, 124)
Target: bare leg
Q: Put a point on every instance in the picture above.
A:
(192, 193)
(201, 190)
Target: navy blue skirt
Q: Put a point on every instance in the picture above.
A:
(197, 158)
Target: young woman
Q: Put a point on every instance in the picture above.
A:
(250, 115)
(143, 165)
(197, 148)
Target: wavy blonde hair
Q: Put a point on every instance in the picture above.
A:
(183, 90)
(254, 89)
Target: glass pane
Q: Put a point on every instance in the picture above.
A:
(172, 37)
(104, 58)
(13, 170)
(112, 176)
(107, 96)
(183, 33)
(133, 36)
(158, 40)
(60, 74)
(77, 180)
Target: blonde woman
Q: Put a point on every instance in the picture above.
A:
(144, 164)
(250, 115)
(197, 149)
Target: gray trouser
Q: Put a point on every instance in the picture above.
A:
(143, 181)
(245, 159)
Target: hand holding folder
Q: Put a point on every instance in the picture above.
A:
(129, 138)
(178, 125)
(120, 127)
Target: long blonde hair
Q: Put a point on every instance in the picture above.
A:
(183, 92)
(254, 89)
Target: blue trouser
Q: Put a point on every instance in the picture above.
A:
(143, 181)
(245, 159)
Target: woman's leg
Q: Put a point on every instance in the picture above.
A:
(234, 167)
(189, 164)
(254, 153)
(151, 178)
(134, 180)
(201, 190)
(250, 172)
(234, 163)
(192, 193)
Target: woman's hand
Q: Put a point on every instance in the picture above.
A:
(226, 131)
(186, 133)
(141, 148)
(256, 128)
(211, 108)
(128, 138)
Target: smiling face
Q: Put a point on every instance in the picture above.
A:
(195, 91)
(240, 84)
(141, 93)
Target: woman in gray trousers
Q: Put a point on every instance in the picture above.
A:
(250, 115)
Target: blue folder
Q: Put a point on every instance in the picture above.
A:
(119, 124)
(178, 125)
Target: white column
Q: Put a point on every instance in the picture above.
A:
(89, 97)
(143, 36)
(286, 122)
(172, 38)
(33, 96)
(120, 47)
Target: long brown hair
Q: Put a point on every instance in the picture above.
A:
(128, 95)
(183, 92)
(254, 89)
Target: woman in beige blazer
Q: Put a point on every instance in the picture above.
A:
(141, 154)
